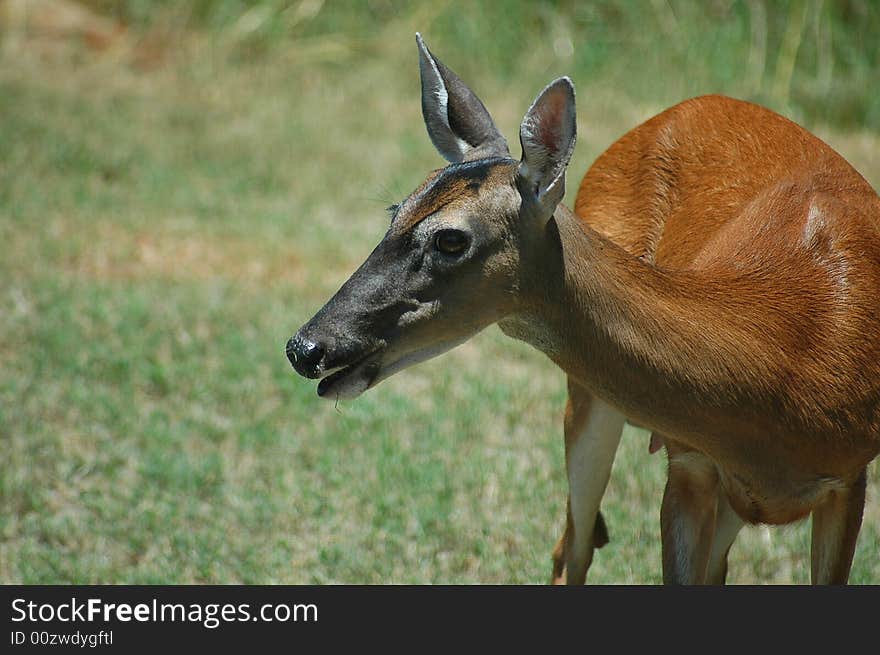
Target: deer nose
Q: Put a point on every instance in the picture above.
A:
(305, 356)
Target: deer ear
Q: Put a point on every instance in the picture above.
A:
(547, 135)
(457, 121)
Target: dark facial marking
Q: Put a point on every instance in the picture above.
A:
(448, 184)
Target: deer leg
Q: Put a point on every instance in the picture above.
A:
(836, 524)
(592, 433)
(727, 526)
(600, 538)
(687, 516)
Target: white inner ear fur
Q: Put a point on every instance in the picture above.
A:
(547, 134)
(442, 96)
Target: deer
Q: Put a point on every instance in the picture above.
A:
(717, 283)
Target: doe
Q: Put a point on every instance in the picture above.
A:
(718, 283)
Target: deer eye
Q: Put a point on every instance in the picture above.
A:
(451, 242)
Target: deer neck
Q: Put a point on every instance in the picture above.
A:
(640, 337)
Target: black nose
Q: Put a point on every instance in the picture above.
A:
(305, 356)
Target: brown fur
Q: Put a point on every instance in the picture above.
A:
(746, 326)
(719, 285)
(747, 302)
(454, 184)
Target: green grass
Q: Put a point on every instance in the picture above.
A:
(165, 229)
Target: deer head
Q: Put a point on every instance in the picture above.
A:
(464, 250)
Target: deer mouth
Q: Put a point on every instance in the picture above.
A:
(351, 380)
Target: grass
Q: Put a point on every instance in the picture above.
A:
(169, 220)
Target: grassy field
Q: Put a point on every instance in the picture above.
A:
(174, 206)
